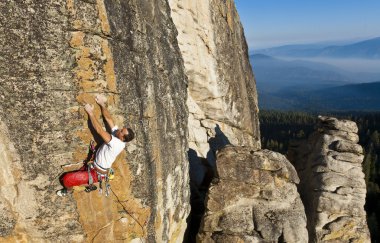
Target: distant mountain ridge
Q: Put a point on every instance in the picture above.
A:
(275, 74)
(317, 77)
(352, 97)
(368, 49)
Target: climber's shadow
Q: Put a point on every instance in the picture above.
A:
(219, 141)
(201, 172)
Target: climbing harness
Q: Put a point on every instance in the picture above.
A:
(104, 175)
(105, 178)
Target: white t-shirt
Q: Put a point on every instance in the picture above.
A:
(107, 152)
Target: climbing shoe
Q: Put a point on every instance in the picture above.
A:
(62, 192)
(90, 188)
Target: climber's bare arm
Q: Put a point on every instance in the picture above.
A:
(95, 123)
(101, 100)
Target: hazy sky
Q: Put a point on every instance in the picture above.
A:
(270, 23)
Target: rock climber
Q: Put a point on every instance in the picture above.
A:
(114, 143)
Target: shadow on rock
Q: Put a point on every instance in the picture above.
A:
(202, 171)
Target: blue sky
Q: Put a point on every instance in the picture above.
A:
(270, 23)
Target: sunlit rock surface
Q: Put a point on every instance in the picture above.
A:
(222, 90)
(54, 57)
(332, 183)
(254, 199)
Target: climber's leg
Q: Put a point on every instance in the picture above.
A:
(75, 178)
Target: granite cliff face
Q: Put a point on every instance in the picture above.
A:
(221, 85)
(57, 55)
(332, 183)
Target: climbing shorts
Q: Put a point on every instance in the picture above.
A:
(78, 177)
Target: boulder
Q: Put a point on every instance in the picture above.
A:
(254, 199)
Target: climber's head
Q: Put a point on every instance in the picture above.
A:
(125, 134)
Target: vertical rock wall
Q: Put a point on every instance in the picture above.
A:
(222, 89)
(332, 184)
(153, 89)
(39, 113)
(55, 57)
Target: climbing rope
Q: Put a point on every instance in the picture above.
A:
(125, 210)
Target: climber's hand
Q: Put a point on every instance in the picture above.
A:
(100, 99)
(89, 109)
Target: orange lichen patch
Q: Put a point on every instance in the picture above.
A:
(84, 98)
(118, 215)
(85, 75)
(85, 69)
(89, 85)
(84, 52)
(85, 63)
(109, 66)
(76, 39)
(70, 6)
(103, 17)
(113, 100)
(18, 237)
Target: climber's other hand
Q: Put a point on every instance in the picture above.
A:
(89, 109)
(100, 99)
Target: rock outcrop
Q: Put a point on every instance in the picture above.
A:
(222, 90)
(54, 57)
(332, 183)
(254, 199)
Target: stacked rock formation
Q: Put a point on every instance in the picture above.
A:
(254, 199)
(332, 184)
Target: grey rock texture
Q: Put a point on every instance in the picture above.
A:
(332, 183)
(54, 57)
(254, 199)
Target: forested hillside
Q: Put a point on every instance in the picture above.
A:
(279, 128)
